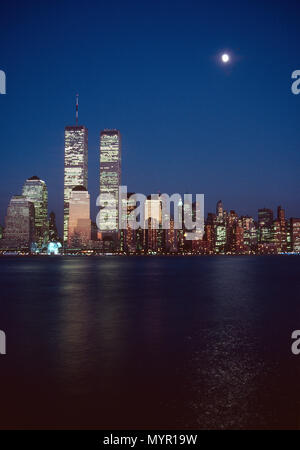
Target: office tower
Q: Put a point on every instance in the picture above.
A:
(53, 233)
(153, 223)
(76, 164)
(232, 218)
(171, 238)
(220, 238)
(79, 232)
(153, 210)
(231, 221)
(35, 191)
(289, 247)
(209, 235)
(219, 210)
(211, 219)
(237, 241)
(110, 180)
(295, 234)
(124, 232)
(94, 231)
(282, 236)
(128, 237)
(265, 223)
(265, 217)
(247, 222)
(281, 215)
(276, 234)
(253, 236)
(19, 232)
(187, 225)
(1, 232)
(248, 226)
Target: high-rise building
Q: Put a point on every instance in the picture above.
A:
(220, 228)
(237, 243)
(265, 224)
(289, 244)
(35, 191)
(153, 236)
(265, 217)
(171, 238)
(282, 241)
(153, 210)
(79, 232)
(110, 180)
(276, 234)
(219, 209)
(295, 234)
(53, 233)
(249, 232)
(220, 238)
(128, 235)
(19, 232)
(75, 167)
(281, 215)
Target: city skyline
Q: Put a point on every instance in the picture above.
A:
(188, 123)
(27, 223)
(76, 155)
(76, 183)
(28, 229)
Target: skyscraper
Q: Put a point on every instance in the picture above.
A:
(53, 233)
(128, 235)
(219, 209)
(265, 217)
(19, 230)
(76, 164)
(35, 191)
(265, 223)
(153, 210)
(79, 233)
(153, 233)
(110, 179)
(282, 241)
(295, 234)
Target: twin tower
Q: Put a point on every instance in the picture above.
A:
(76, 198)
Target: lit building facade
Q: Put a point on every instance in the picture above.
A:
(281, 241)
(153, 211)
(110, 179)
(219, 209)
(79, 232)
(295, 234)
(35, 191)
(153, 233)
(128, 242)
(265, 224)
(75, 166)
(171, 238)
(53, 233)
(19, 232)
(220, 238)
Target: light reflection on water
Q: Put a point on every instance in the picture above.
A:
(150, 342)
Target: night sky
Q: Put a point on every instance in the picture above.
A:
(152, 70)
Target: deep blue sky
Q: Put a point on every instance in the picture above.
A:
(151, 69)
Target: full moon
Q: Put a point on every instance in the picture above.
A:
(225, 58)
